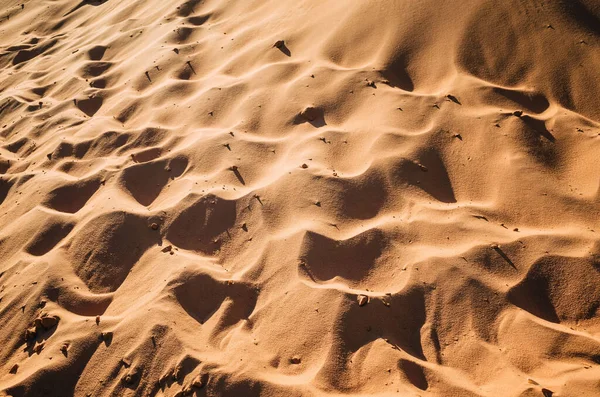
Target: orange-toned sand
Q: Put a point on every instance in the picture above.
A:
(300, 198)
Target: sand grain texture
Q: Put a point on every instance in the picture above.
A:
(299, 198)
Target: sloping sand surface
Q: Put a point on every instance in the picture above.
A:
(299, 198)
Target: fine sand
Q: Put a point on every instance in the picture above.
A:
(300, 198)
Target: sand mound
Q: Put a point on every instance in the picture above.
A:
(279, 198)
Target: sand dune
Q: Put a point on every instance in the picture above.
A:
(299, 198)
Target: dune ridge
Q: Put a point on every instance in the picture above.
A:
(308, 198)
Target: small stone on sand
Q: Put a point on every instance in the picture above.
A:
(310, 113)
(30, 334)
(106, 336)
(48, 321)
(547, 392)
(362, 300)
